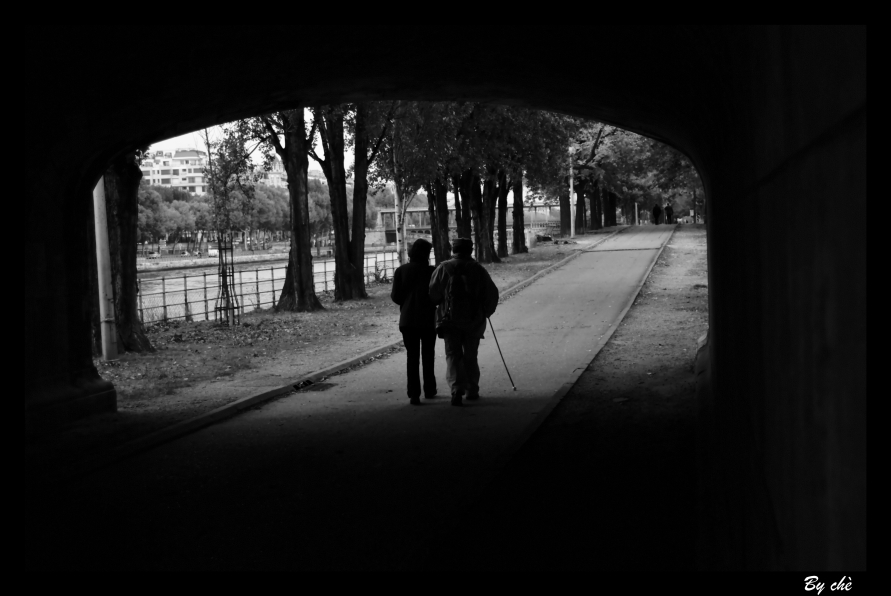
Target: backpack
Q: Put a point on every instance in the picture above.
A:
(462, 302)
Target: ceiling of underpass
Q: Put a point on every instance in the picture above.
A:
(649, 81)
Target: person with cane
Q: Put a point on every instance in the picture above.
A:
(465, 297)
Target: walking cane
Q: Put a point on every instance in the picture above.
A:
(502, 355)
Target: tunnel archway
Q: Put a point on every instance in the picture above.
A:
(774, 118)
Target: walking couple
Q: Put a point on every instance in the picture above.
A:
(451, 301)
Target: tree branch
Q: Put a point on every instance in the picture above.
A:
(596, 144)
(323, 133)
(276, 143)
(380, 139)
(312, 153)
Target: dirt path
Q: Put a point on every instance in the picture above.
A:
(608, 481)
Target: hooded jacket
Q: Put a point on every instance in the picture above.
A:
(410, 283)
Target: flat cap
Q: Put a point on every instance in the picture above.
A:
(462, 245)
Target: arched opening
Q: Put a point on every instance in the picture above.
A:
(773, 118)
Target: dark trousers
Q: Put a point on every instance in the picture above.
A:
(462, 367)
(420, 346)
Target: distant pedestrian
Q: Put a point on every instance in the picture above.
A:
(465, 296)
(669, 214)
(657, 214)
(416, 318)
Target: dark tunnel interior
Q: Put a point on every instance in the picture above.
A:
(772, 117)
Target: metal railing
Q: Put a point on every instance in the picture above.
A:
(192, 297)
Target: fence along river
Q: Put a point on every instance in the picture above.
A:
(193, 296)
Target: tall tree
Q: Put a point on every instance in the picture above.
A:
(122, 181)
(286, 134)
(349, 281)
(519, 226)
(368, 127)
(437, 196)
(504, 187)
(408, 158)
(231, 176)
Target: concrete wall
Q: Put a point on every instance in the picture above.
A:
(788, 303)
(775, 118)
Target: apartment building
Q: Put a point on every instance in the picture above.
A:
(275, 177)
(182, 169)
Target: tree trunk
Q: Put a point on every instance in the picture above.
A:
(434, 223)
(480, 221)
(360, 200)
(330, 121)
(596, 207)
(519, 242)
(565, 218)
(296, 164)
(490, 200)
(467, 203)
(400, 224)
(580, 207)
(503, 189)
(459, 218)
(122, 207)
(586, 212)
(287, 300)
(442, 219)
(610, 209)
(475, 198)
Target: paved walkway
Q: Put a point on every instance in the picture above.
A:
(350, 476)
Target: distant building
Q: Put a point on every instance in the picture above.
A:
(182, 169)
(276, 177)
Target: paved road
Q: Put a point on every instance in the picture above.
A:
(350, 476)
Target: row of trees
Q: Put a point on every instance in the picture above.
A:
(479, 152)
(617, 171)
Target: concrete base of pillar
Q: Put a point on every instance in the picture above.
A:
(56, 406)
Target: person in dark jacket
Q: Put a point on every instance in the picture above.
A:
(669, 214)
(462, 340)
(657, 214)
(416, 318)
